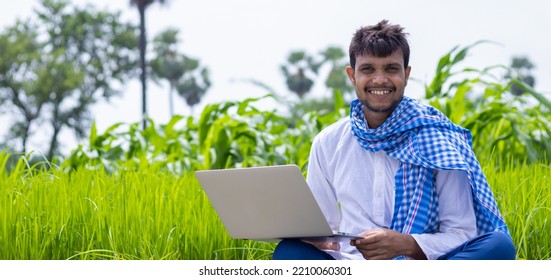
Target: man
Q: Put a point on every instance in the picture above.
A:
(398, 172)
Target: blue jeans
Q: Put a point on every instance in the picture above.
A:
(488, 246)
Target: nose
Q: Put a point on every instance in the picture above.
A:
(379, 78)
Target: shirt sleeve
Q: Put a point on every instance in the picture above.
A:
(319, 183)
(457, 221)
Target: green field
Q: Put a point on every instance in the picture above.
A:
(148, 214)
(129, 193)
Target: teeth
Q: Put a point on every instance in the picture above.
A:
(380, 92)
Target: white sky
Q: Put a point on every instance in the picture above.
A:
(240, 39)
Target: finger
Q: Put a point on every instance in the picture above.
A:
(373, 253)
(375, 256)
(371, 239)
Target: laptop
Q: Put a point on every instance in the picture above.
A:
(267, 203)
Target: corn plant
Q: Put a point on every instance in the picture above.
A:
(127, 146)
(227, 134)
(512, 126)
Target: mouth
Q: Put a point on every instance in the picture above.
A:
(379, 91)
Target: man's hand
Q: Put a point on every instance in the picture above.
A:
(383, 243)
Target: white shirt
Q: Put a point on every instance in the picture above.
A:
(355, 189)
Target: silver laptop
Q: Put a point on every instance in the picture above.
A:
(267, 203)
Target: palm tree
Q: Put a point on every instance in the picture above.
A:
(142, 6)
(521, 70)
(194, 84)
(299, 72)
(167, 64)
(184, 74)
(337, 78)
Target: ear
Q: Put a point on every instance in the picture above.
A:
(350, 72)
(407, 71)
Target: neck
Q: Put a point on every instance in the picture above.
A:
(375, 119)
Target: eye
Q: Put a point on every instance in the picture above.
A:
(393, 68)
(367, 69)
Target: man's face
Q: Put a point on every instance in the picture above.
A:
(379, 83)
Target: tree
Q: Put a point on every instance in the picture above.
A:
(182, 72)
(337, 78)
(142, 6)
(302, 69)
(64, 61)
(299, 72)
(521, 70)
(195, 83)
(21, 74)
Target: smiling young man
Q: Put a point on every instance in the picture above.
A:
(380, 83)
(398, 172)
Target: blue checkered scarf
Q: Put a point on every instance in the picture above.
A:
(423, 140)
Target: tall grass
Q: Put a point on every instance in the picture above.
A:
(89, 214)
(153, 214)
(523, 193)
